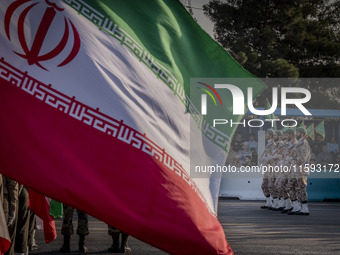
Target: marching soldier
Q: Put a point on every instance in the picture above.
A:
(282, 178)
(276, 156)
(264, 160)
(292, 205)
(67, 229)
(291, 186)
(303, 154)
(271, 174)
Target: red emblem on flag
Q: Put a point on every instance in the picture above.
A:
(34, 55)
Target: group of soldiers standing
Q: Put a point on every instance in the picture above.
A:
(286, 191)
(20, 223)
(19, 219)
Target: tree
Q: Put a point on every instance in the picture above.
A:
(302, 36)
(280, 38)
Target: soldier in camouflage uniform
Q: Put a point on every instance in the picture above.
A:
(275, 158)
(290, 182)
(272, 175)
(114, 248)
(303, 154)
(67, 229)
(282, 177)
(291, 187)
(264, 161)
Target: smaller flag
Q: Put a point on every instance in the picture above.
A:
(5, 241)
(56, 209)
(310, 131)
(320, 129)
(303, 125)
(40, 206)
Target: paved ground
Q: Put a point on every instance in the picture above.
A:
(249, 231)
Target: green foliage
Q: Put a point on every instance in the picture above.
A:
(283, 38)
(279, 68)
(280, 38)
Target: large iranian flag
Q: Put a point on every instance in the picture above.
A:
(95, 113)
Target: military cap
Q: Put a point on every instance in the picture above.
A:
(289, 131)
(278, 132)
(271, 131)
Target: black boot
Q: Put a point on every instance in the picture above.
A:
(114, 248)
(66, 245)
(124, 244)
(287, 211)
(82, 246)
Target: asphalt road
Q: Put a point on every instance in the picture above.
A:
(249, 231)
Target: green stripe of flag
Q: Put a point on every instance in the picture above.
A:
(171, 44)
